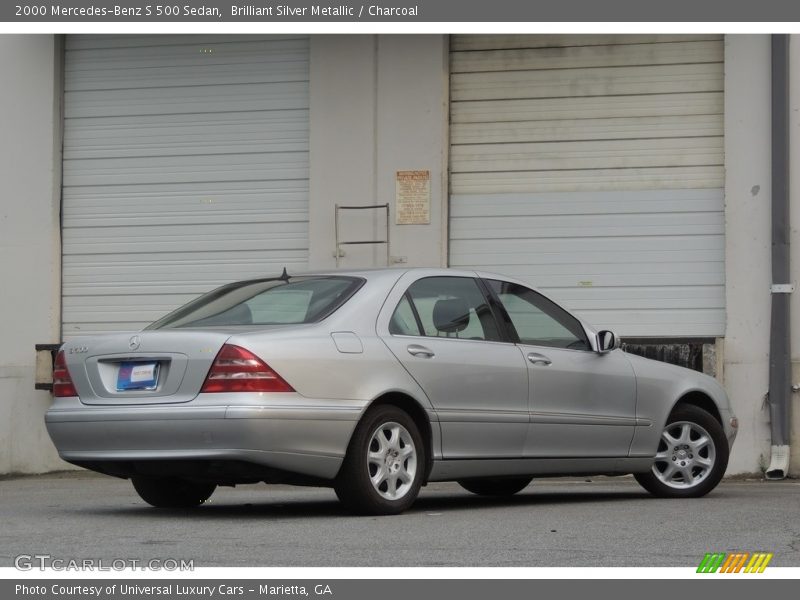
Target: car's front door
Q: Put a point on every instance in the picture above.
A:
(447, 337)
(583, 404)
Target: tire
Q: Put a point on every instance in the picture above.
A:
(491, 486)
(172, 492)
(691, 458)
(385, 463)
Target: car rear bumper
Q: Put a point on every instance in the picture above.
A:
(291, 433)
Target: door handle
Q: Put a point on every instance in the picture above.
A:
(417, 350)
(538, 359)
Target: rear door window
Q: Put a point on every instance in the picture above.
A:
(448, 307)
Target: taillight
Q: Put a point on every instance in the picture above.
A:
(62, 382)
(238, 370)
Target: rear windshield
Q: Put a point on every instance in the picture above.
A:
(264, 302)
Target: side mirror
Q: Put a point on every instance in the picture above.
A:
(607, 341)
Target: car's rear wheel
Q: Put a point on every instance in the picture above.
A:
(384, 466)
(691, 458)
(172, 492)
(495, 486)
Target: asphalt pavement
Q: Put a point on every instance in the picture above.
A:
(553, 522)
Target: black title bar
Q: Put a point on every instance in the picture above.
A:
(472, 11)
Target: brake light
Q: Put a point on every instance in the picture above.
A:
(238, 370)
(62, 382)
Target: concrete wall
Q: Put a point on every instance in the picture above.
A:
(747, 244)
(378, 105)
(30, 172)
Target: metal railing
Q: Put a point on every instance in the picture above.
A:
(340, 243)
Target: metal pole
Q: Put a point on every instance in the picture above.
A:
(336, 227)
(388, 254)
(779, 348)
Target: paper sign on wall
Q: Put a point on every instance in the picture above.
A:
(413, 198)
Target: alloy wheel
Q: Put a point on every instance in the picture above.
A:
(391, 461)
(686, 455)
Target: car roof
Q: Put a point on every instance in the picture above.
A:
(395, 273)
(430, 271)
(372, 272)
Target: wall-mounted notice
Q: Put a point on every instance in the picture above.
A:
(413, 198)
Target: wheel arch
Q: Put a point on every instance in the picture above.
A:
(653, 480)
(418, 414)
(701, 400)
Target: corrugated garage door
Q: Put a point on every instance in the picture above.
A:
(185, 166)
(592, 167)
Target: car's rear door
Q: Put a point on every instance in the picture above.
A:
(445, 334)
(583, 404)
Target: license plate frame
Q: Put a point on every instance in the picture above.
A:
(138, 376)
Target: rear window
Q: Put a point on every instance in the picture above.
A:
(264, 302)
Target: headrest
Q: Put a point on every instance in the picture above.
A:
(451, 315)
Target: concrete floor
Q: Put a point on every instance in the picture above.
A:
(553, 522)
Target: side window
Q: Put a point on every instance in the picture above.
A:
(403, 320)
(451, 307)
(539, 321)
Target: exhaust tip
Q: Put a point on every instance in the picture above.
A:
(778, 464)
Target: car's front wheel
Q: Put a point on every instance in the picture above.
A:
(691, 458)
(172, 492)
(383, 469)
(495, 486)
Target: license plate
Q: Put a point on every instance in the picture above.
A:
(137, 376)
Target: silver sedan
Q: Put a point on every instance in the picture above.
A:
(375, 383)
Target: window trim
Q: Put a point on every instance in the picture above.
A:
(417, 320)
(504, 324)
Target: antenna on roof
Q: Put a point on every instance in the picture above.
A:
(284, 276)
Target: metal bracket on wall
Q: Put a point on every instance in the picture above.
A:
(339, 252)
(45, 359)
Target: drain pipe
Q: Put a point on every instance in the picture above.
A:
(780, 382)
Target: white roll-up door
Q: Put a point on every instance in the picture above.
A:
(592, 167)
(185, 167)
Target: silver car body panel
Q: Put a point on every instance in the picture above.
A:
(490, 410)
(659, 387)
(582, 403)
(186, 359)
(450, 470)
(287, 432)
(478, 389)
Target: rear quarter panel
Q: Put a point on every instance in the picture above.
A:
(309, 359)
(311, 363)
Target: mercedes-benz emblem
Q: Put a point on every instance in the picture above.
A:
(134, 342)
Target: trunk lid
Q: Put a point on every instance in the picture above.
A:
(147, 367)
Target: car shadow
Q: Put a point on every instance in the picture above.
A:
(325, 508)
